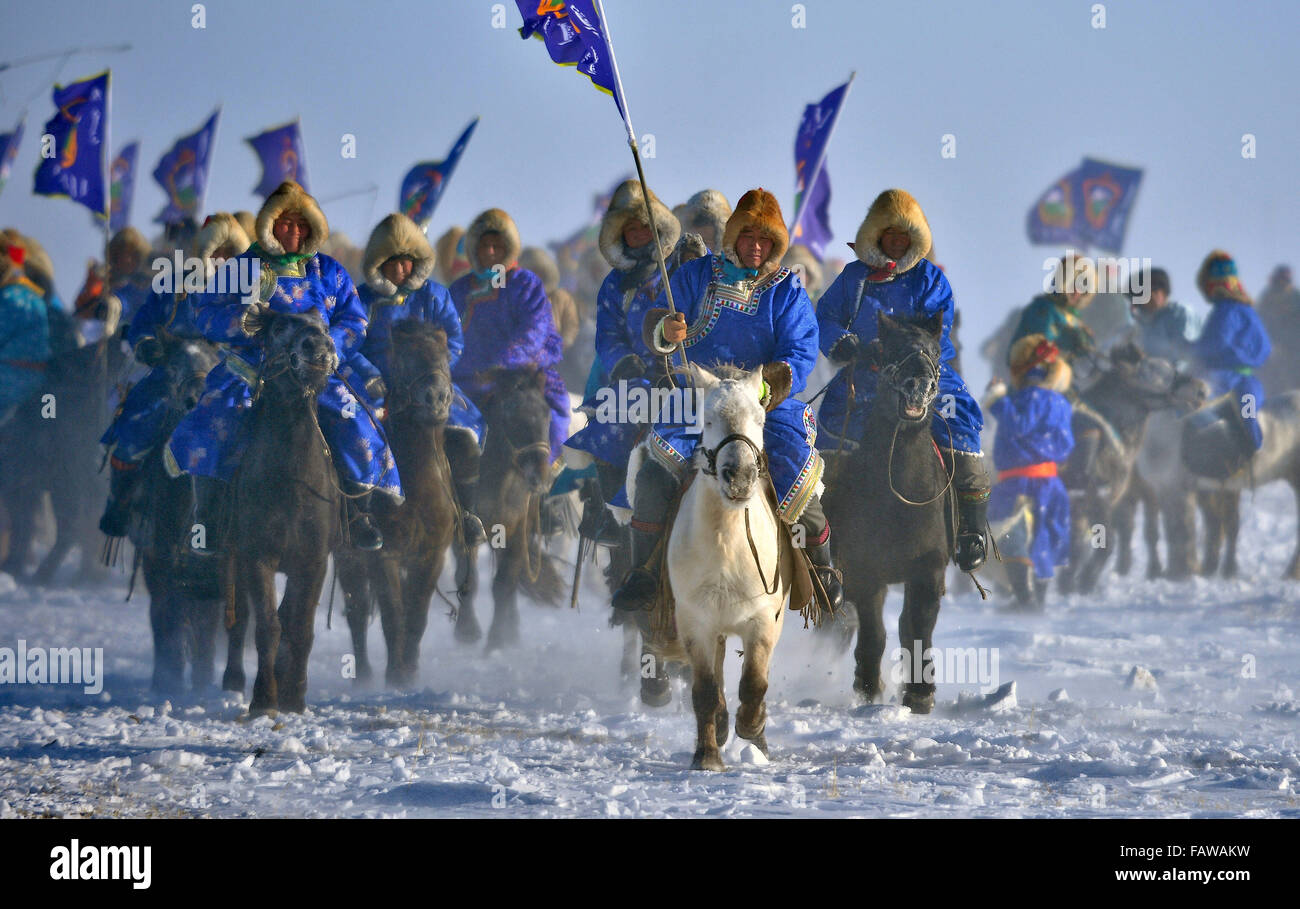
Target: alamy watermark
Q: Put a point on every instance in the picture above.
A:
(1112, 275)
(625, 403)
(239, 275)
(53, 666)
(953, 665)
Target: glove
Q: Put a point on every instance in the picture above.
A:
(674, 328)
(846, 349)
(150, 352)
(628, 368)
(376, 388)
(779, 381)
(253, 319)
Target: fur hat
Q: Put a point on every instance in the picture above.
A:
(494, 220)
(37, 265)
(128, 239)
(289, 196)
(1037, 361)
(450, 256)
(893, 208)
(397, 235)
(542, 264)
(220, 229)
(758, 209)
(1218, 279)
(708, 208)
(248, 221)
(1075, 271)
(627, 205)
(800, 258)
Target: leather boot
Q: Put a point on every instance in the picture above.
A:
(818, 546)
(122, 484)
(471, 526)
(640, 588)
(971, 487)
(361, 527)
(209, 517)
(463, 455)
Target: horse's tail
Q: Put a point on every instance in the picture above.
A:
(547, 588)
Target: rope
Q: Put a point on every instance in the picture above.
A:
(753, 549)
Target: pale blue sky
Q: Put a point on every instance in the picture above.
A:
(1027, 89)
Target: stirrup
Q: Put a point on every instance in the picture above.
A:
(472, 529)
(638, 592)
(971, 550)
(365, 535)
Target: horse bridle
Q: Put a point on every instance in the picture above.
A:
(889, 375)
(399, 396)
(711, 454)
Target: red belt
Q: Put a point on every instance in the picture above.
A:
(33, 365)
(1035, 471)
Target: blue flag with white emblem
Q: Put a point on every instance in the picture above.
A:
(1089, 206)
(75, 167)
(574, 36)
(424, 184)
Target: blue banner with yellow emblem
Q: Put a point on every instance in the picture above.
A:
(1089, 207)
(574, 36)
(74, 168)
(183, 173)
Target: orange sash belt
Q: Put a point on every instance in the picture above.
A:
(33, 365)
(1037, 471)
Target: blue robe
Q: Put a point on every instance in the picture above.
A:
(918, 293)
(1233, 344)
(210, 439)
(133, 296)
(510, 327)
(620, 315)
(1164, 332)
(1033, 428)
(749, 325)
(431, 304)
(24, 343)
(141, 422)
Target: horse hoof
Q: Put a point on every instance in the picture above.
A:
(1230, 570)
(1154, 571)
(656, 692)
(751, 731)
(919, 702)
(707, 760)
(257, 710)
(468, 632)
(233, 681)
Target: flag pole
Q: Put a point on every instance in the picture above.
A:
(212, 150)
(640, 171)
(821, 159)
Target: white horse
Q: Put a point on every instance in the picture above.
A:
(729, 572)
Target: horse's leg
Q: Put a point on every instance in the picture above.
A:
(23, 501)
(705, 695)
(388, 591)
(233, 679)
(915, 629)
(417, 592)
(751, 715)
(468, 630)
(630, 665)
(1231, 526)
(1209, 503)
(1178, 509)
(1092, 566)
(1125, 517)
(302, 592)
(1079, 538)
(204, 615)
(721, 719)
(870, 649)
(357, 606)
(255, 584)
(504, 631)
(167, 624)
(1293, 570)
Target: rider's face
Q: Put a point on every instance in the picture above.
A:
(752, 248)
(398, 269)
(491, 250)
(894, 243)
(291, 231)
(636, 234)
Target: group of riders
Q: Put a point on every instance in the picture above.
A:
(739, 296)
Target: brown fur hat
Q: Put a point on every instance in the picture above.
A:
(220, 229)
(708, 208)
(494, 220)
(626, 205)
(759, 209)
(541, 263)
(893, 208)
(397, 235)
(289, 196)
(1035, 350)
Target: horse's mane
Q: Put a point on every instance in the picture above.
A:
(429, 340)
(729, 372)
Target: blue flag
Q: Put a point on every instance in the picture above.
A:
(574, 36)
(1089, 206)
(423, 185)
(812, 201)
(8, 150)
(76, 171)
(281, 152)
(183, 173)
(1106, 196)
(121, 187)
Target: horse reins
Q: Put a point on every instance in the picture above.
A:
(711, 456)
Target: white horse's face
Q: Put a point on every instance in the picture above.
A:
(730, 415)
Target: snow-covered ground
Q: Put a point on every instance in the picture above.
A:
(1211, 728)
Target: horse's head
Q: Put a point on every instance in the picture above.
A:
(419, 373)
(907, 357)
(1155, 381)
(299, 352)
(731, 429)
(186, 367)
(519, 418)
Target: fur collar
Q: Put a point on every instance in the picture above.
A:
(893, 208)
(289, 196)
(397, 235)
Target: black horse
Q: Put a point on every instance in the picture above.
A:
(889, 510)
(402, 576)
(52, 445)
(1114, 410)
(285, 513)
(516, 476)
(184, 590)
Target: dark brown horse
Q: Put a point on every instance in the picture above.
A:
(888, 510)
(184, 590)
(403, 575)
(52, 445)
(515, 477)
(284, 513)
